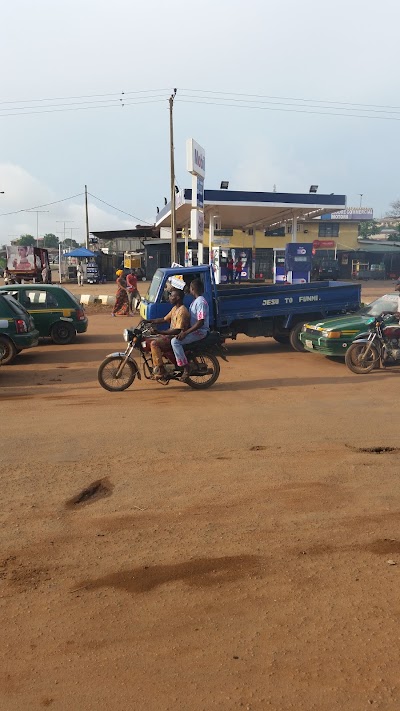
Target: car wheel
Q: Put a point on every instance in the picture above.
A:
(295, 341)
(62, 333)
(9, 349)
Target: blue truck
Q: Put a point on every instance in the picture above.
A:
(276, 310)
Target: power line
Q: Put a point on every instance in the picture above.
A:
(280, 103)
(84, 96)
(119, 210)
(84, 108)
(291, 98)
(46, 204)
(298, 111)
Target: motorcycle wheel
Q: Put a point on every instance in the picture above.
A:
(107, 371)
(355, 361)
(207, 363)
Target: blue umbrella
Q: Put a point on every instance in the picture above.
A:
(80, 252)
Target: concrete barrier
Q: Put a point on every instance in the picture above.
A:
(86, 299)
(106, 299)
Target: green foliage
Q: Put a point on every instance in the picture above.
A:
(50, 240)
(26, 241)
(369, 228)
(70, 243)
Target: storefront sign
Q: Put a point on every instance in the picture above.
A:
(195, 158)
(324, 244)
(351, 213)
(197, 225)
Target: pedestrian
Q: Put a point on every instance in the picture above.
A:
(229, 267)
(238, 270)
(121, 307)
(79, 274)
(131, 283)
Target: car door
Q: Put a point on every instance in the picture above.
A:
(43, 307)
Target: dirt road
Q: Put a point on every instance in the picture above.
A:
(242, 551)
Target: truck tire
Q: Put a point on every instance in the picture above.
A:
(9, 349)
(280, 338)
(294, 338)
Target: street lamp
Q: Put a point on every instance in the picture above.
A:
(361, 197)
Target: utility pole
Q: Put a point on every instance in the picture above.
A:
(38, 212)
(361, 197)
(174, 246)
(87, 219)
(63, 222)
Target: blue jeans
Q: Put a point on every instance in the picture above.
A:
(177, 346)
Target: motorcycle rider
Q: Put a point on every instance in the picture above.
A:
(179, 320)
(199, 326)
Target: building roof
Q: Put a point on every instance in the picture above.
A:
(244, 209)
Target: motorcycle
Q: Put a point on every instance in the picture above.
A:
(118, 370)
(380, 346)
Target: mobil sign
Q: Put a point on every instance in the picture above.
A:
(195, 158)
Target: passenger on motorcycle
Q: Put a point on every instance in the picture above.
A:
(178, 318)
(199, 326)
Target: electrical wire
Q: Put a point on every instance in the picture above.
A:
(119, 210)
(298, 111)
(280, 103)
(46, 204)
(84, 96)
(291, 98)
(85, 108)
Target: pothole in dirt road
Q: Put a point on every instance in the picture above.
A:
(374, 450)
(99, 489)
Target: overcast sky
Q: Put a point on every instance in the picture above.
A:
(343, 52)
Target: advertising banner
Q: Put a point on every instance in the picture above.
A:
(21, 259)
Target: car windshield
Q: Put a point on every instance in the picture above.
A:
(385, 304)
(154, 287)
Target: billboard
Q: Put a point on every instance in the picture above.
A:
(22, 259)
(195, 158)
(351, 213)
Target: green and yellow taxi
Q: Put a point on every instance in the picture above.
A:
(333, 336)
(17, 330)
(55, 311)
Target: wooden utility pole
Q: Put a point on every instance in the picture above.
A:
(174, 246)
(87, 219)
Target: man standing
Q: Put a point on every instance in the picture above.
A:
(238, 270)
(199, 326)
(131, 285)
(79, 274)
(178, 318)
(229, 267)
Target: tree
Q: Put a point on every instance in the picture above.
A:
(71, 243)
(50, 240)
(26, 241)
(395, 211)
(369, 228)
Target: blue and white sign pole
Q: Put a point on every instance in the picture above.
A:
(196, 165)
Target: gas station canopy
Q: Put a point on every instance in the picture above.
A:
(242, 209)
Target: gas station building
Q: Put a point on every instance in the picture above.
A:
(266, 221)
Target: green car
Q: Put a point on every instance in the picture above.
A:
(17, 330)
(333, 336)
(55, 311)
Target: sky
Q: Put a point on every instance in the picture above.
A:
(279, 94)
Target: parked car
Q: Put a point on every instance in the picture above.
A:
(333, 336)
(17, 330)
(326, 269)
(55, 311)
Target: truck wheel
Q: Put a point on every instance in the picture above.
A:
(281, 339)
(294, 338)
(9, 349)
(62, 333)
